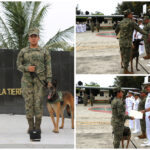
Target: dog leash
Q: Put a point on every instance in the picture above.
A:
(133, 144)
(42, 82)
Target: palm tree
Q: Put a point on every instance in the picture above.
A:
(19, 18)
(61, 40)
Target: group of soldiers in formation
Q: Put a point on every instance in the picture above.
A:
(125, 30)
(121, 109)
(83, 27)
(86, 98)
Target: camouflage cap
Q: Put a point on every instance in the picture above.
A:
(127, 12)
(143, 91)
(117, 89)
(33, 31)
(145, 18)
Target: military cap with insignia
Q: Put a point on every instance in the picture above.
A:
(127, 12)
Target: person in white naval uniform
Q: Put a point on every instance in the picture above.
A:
(138, 35)
(147, 116)
(137, 126)
(129, 106)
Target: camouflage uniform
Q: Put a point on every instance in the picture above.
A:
(118, 120)
(92, 26)
(92, 99)
(141, 106)
(126, 28)
(85, 99)
(145, 37)
(97, 26)
(32, 89)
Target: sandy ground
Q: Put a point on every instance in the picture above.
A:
(13, 133)
(100, 55)
(94, 130)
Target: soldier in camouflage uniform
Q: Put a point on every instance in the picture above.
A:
(118, 118)
(97, 26)
(126, 28)
(92, 98)
(141, 106)
(85, 99)
(146, 38)
(34, 60)
(92, 25)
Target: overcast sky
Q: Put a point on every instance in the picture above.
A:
(107, 7)
(60, 16)
(102, 80)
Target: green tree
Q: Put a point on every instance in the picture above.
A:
(129, 81)
(136, 7)
(92, 84)
(97, 13)
(19, 17)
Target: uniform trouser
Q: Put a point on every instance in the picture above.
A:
(91, 102)
(143, 125)
(147, 127)
(126, 56)
(147, 47)
(118, 134)
(85, 101)
(130, 121)
(137, 125)
(32, 93)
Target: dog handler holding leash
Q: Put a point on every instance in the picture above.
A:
(34, 61)
(126, 28)
(118, 117)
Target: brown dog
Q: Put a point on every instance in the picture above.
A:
(126, 136)
(134, 54)
(58, 108)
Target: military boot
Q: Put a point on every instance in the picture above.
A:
(142, 136)
(147, 57)
(127, 72)
(38, 124)
(31, 124)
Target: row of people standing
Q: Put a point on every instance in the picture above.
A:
(83, 27)
(136, 101)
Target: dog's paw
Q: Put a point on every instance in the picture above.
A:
(55, 131)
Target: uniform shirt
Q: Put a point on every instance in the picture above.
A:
(38, 57)
(136, 34)
(141, 105)
(118, 112)
(126, 28)
(136, 103)
(146, 29)
(147, 104)
(129, 102)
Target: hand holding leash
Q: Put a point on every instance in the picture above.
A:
(49, 85)
(31, 68)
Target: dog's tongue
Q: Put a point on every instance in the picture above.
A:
(49, 96)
